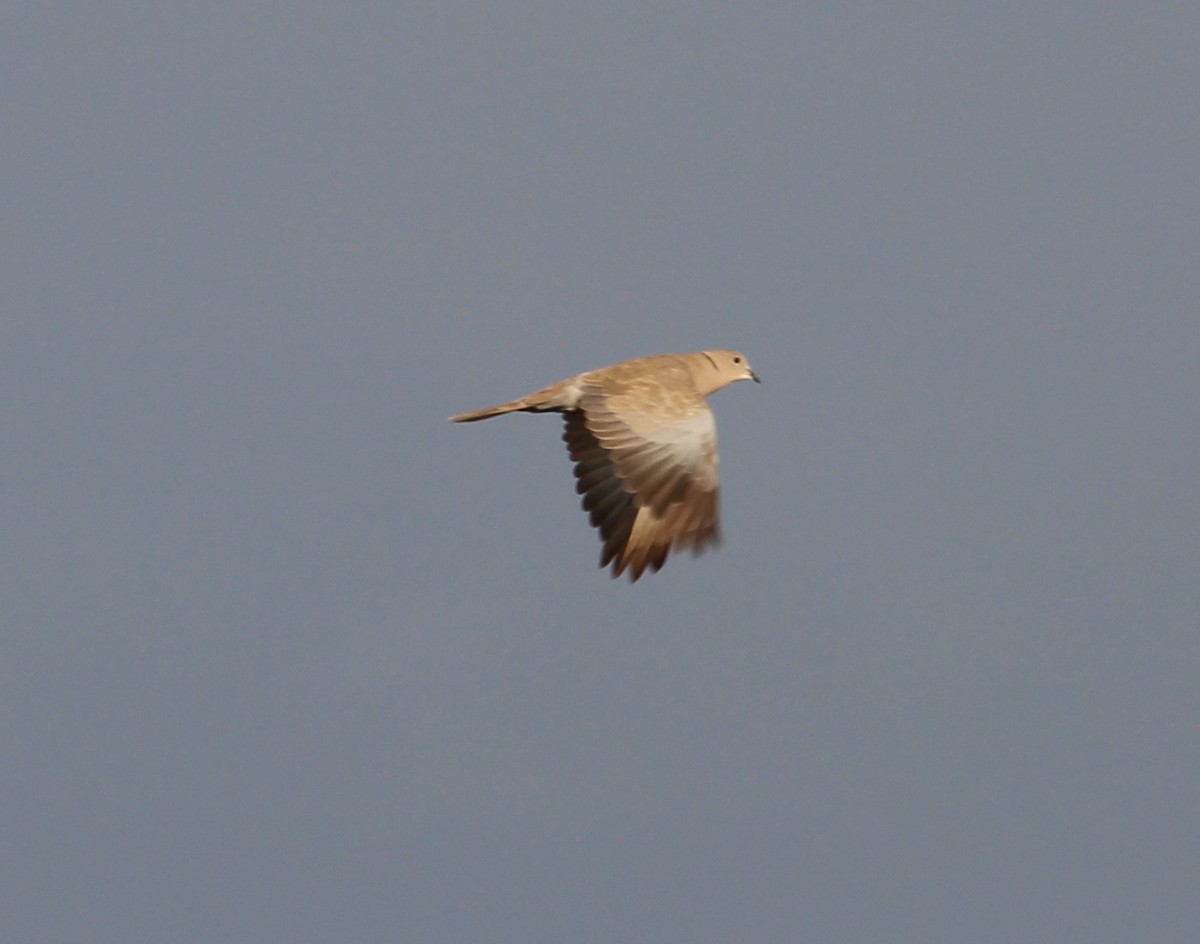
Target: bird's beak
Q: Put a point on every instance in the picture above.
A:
(755, 377)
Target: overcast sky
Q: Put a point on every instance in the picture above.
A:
(288, 658)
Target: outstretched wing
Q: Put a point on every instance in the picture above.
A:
(648, 477)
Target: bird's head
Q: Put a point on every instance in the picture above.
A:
(730, 367)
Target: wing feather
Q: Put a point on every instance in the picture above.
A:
(648, 477)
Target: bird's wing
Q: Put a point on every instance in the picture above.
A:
(647, 469)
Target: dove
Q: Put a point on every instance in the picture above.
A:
(644, 444)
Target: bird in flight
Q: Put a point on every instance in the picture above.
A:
(644, 445)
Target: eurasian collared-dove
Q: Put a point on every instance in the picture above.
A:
(645, 450)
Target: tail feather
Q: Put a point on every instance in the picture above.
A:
(489, 412)
(555, 398)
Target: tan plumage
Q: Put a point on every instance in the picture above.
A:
(644, 445)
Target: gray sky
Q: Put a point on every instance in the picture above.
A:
(289, 658)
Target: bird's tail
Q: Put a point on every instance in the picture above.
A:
(555, 398)
(489, 412)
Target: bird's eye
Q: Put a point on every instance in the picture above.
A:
(737, 360)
